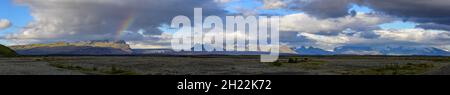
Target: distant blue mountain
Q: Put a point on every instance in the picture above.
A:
(365, 50)
(122, 48)
(414, 51)
(356, 50)
(312, 51)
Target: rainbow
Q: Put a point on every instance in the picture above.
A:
(124, 25)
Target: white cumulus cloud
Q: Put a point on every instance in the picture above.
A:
(4, 23)
(302, 22)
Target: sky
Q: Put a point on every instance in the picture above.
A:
(18, 14)
(325, 24)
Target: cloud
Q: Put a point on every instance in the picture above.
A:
(72, 20)
(324, 8)
(4, 23)
(322, 23)
(306, 23)
(152, 41)
(224, 1)
(436, 11)
(417, 36)
(402, 37)
(430, 11)
(274, 4)
(329, 42)
(434, 26)
(316, 8)
(328, 23)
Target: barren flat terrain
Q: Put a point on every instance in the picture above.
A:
(224, 65)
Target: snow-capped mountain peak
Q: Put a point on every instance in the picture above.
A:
(366, 50)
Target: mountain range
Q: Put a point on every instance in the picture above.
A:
(366, 50)
(105, 47)
(98, 47)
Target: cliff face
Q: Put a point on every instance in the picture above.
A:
(75, 48)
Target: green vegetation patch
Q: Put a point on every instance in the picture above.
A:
(299, 62)
(394, 69)
(7, 52)
(312, 65)
(276, 64)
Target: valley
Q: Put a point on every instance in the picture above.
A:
(117, 58)
(224, 65)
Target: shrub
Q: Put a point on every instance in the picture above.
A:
(276, 63)
(292, 60)
(38, 59)
(305, 60)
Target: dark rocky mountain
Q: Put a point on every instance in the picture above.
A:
(101, 47)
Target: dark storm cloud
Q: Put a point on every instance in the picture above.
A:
(331, 19)
(434, 26)
(324, 8)
(102, 19)
(318, 8)
(437, 11)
